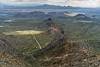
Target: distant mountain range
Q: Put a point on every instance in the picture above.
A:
(37, 6)
(33, 6)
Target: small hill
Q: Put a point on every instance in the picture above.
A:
(82, 17)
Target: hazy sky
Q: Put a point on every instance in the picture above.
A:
(76, 3)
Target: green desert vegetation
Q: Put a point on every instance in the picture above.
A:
(74, 30)
(29, 37)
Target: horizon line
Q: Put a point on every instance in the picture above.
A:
(36, 3)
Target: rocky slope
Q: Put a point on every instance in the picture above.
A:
(68, 54)
(9, 56)
(62, 52)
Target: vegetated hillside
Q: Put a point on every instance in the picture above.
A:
(74, 29)
(55, 52)
(59, 52)
(9, 57)
(69, 54)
